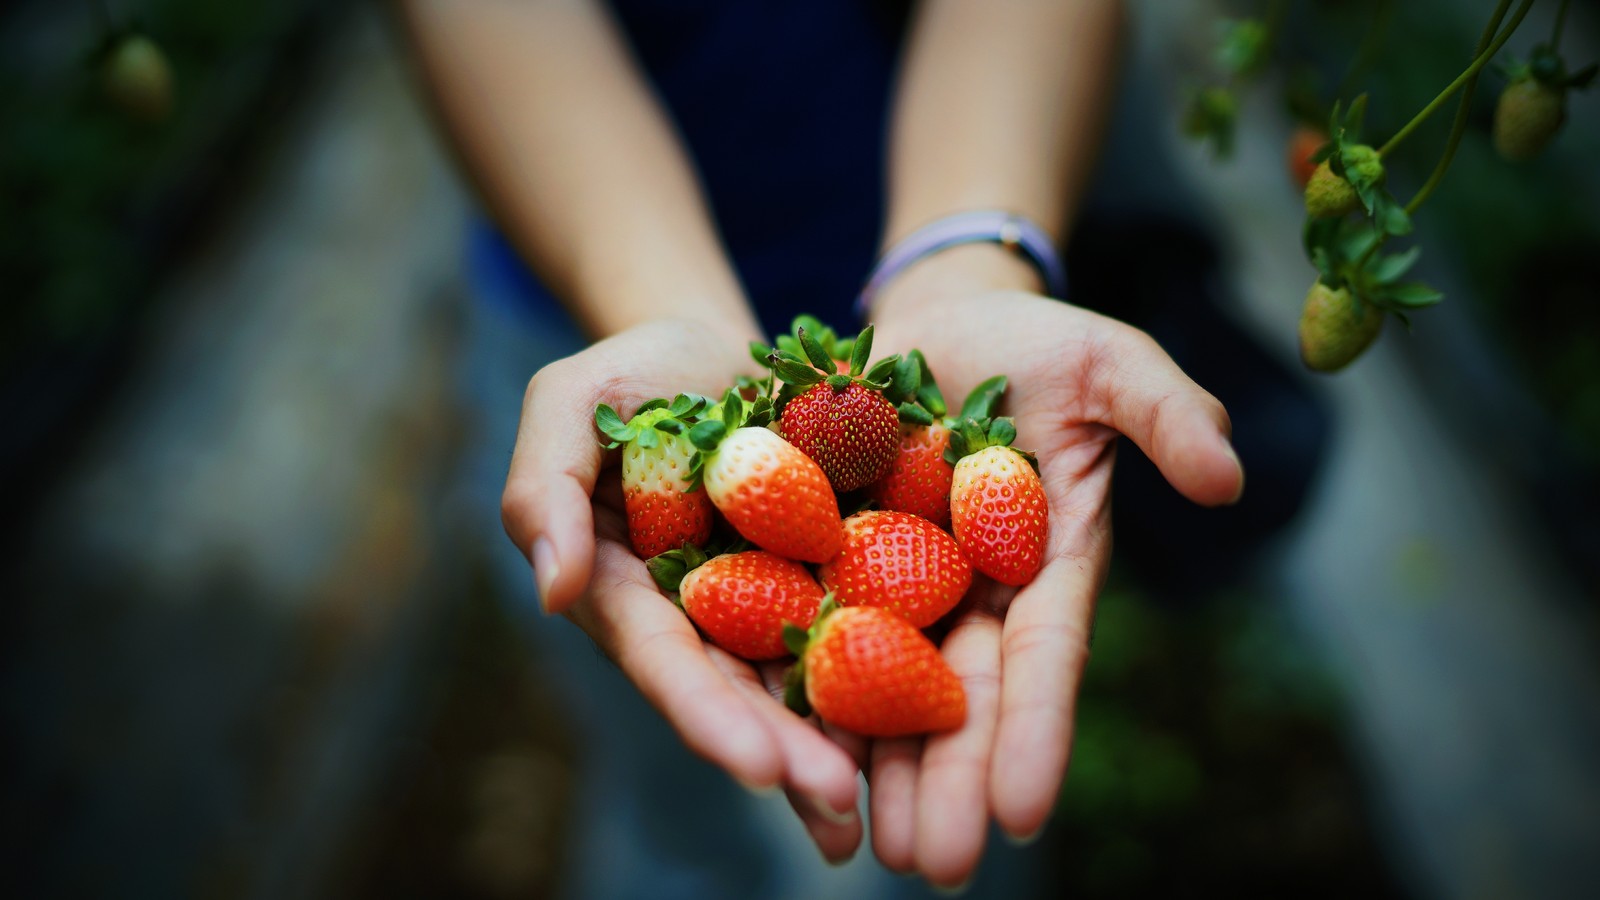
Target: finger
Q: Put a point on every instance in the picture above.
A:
(1136, 388)
(545, 507)
(815, 766)
(892, 799)
(837, 838)
(953, 782)
(659, 651)
(1044, 647)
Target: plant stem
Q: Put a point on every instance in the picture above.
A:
(1370, 42)
(1457, 129)
(1461, 80)
(1555, 33)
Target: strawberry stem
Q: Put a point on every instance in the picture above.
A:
(1555, 32)
(1461, 80)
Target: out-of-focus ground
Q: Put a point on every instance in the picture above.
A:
(260, 653)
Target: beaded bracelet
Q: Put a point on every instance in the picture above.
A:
(1018, 233)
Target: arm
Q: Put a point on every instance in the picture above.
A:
(577, 162)
(555, 126)
(1000, 106)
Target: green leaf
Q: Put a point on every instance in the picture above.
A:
(1393, 218)
(928, 393)
(794, 690)
(814, 352)
(1002, 432)
(648, 439)
(861, 351)
(759, 352)
(985, 398)
(670, 426)
(795, 638)
(760, 414)
(1388, 268)
(810, 323)
(974, 433)
(693, 556)
(667, 570)
(708, 434)
(732, 409)
(1411, 294)
(611, 424)
(881, 370)
(656, 403)
(790, 346)
(907, 378)
(1356, 118)
(795, 373)
(1336, 121)
(912, 414)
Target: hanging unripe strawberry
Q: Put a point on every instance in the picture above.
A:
(1526, 119)
(1336, 327)
(137, 78)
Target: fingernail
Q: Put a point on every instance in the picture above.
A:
(1235, 454)
(826, 810)
(760, 790)
(1023, 840)
(955, 891)
(545, 569)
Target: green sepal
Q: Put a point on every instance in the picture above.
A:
(928, 393)
(656, 403)
(795, 638)
(1409, 294)
(670, 426)
(794, 372)
(648, 439)
(878, 376)
(789, 345)
(1388, 269)
(861, 351)
(611, 425)
(732, 409)
(668, 569)
(1002, 432)
(794, 690)
(906, 381)
(912, 414)
(760, 353)
(760, 414)
(837, 381)
(981, 403)
(815, 352)
(705, 436)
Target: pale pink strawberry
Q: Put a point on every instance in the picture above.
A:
(775, 496)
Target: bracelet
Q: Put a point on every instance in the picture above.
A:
(1018, 233)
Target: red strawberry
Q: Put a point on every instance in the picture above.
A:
(841, 420)
(741, 601)
(872, 672)
(997, 503)
(664, 508)
(918, 482)
(1303, 143)
(899, 562)
(775, 496)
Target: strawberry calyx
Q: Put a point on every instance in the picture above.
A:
(974, 435)
(1546, 66)
(1355, 177)
(1342, 252)
(652, 419)
(797, 639)
(815, 365)
(721, 420)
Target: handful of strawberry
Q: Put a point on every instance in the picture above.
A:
(762, 475)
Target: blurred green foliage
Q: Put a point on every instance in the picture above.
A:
(1209, 756)
(88, 191)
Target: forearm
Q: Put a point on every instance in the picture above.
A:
(575, 159)
(999, 106)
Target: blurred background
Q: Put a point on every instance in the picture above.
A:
(260, 642)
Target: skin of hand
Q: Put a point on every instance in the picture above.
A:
(1078, 380)
(563, 508)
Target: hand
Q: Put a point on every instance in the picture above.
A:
(1077, 380)
(575, 535)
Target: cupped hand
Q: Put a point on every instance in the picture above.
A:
(1077, 381)
(563, 507)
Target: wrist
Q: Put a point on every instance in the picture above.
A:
(953, 275)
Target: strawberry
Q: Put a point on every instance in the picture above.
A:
(775, 496)
(1303, 143)
(918, 482)
(872, 672)
(997, 503)
(1533, 107)
(741, 601)
(900, 562)
(137, 78)
(840, 419)
(664, 508)
(1336, 327)
(1329, 196)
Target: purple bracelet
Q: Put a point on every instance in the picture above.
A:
(987, 225)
